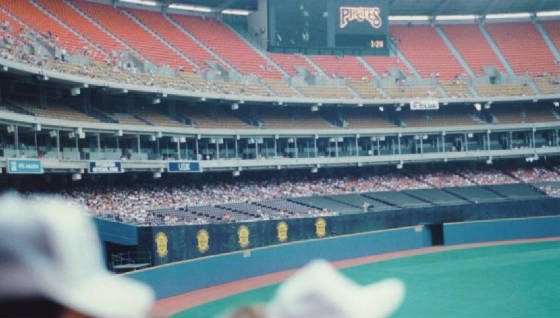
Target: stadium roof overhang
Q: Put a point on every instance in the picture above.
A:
(398, 7)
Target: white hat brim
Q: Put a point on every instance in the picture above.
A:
(107, 295)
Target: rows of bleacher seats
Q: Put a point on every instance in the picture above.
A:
(514, 114)
(327, 92)
(412, 91)
(44, 24)
(159, 24)
(14, 26)
(473, 47)
(425, 49)
(80, 24)
(421, 44)
(289, 197)
(523, 47)
(212, 33)
(342, 67)
(504, 90)
(460, 116)
(287, 119)
(217, 118)
(358, 118)
(122, 26)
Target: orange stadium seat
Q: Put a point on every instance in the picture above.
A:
(41, 22)
(425, 49)
(473, 47)
(342, 66)
(129, 31)
(523, 47)
(159, 24)
(212, 33)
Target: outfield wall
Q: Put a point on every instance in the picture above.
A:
(500, 230)
(181, 277)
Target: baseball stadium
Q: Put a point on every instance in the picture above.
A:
(220, 146)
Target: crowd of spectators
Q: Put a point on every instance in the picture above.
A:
(138, 202)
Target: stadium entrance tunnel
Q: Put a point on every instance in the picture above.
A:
(436, 234)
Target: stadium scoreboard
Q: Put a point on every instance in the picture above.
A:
(329, 26)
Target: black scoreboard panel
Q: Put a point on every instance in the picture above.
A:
(329, 26)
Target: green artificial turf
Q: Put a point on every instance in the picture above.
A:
(520, 280)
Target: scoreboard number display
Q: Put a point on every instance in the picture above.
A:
(313, 26)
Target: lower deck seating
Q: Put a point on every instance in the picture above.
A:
(156, 118)
(548, 84)
(362, 119)
(366, 89)
(504, 90)
(326, 92)
(217, 118)
(55, 110)
(412, 91)
(456, 89)
(288, 119)
(280, 87)
(449, 117)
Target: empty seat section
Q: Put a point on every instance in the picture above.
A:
(381, 64)
(342, 66)
(552, 28)
(212, 33)
(129, 31)
(450, 117)
(159, 24)
(472, 46)
(366, 89)
(333, 92)
(358, 118)
(81, 25)
(287, 119)
(523, 47)
(218, 118)
(41, 22)
(289, 62)
(280, 87)
(425, 49)
(504, 90)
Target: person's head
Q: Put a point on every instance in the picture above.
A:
(319, 290)
(51, 265)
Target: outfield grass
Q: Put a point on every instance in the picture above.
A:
(519, 280)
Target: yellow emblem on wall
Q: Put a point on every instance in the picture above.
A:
(161, 244)
(282, 229)
(320, 227)
(203, 241)
(243, 234)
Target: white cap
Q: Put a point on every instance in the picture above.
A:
(51, 249)
(319, 290)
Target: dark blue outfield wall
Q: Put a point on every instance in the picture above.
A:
(500, 230)
(181, 277)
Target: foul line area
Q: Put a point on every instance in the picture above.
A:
(174, 304)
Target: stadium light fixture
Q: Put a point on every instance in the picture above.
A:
(187, 7)
(478, 106)
(236, 12)
(456, 17)
(76, 176)
(156, 100)
(236, 173)
(489, 161)
(156, 175)
(508, 15)
(234, 106)
(400, 165)
(548, 14)
(381, 108)
(4, 68)
(556, 104)
(399, 108)
(314, 170)
(141, 2)
(75, 91)
(315, 108)
(409, 18)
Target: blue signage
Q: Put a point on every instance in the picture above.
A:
(25, 166)
(105, 167)
(184, 166)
